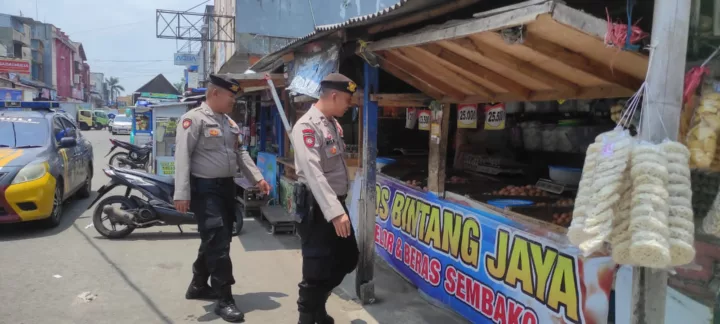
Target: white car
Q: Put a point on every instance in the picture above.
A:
(120, 125)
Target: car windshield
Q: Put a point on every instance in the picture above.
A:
(23, 132)
(123, 119)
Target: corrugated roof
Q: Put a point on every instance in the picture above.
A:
(402, 7)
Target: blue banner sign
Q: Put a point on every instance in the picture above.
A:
(187, 59)
(485, 266)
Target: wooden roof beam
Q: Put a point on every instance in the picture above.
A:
(401, 99)
(482, 72)
(579, 62)
(437, 66)
(470, 47)
(411, 80)
(401, 62)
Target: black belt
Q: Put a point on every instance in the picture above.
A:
(211, 180)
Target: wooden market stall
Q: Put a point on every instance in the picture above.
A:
(551, 64)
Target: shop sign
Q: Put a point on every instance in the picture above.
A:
(193, 79)
(15, 66)
(495, 117)
(159, 95)
(488, 268)
(11, 95)
(186, 59)
(424, 120)
(411, 116)
(467, 116)
(267, 164)
(166, 168)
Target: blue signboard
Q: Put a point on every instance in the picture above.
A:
(187, 59)
(267, 163)
(485, 266)
(11, 95)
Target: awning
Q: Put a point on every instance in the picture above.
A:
(252, 81)
(559, 55)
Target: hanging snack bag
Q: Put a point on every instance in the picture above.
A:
(702, 136)
(649, 207)
(609, 184)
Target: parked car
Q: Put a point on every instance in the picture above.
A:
(44, 160)
(120, 125)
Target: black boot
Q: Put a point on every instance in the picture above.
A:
(226, 308)
(306, 318)
(199, 289)
(322, 317)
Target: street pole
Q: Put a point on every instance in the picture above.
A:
(660, 120)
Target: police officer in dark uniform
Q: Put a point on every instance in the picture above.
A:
(328, 241)
(207, 156)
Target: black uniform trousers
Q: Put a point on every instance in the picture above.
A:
(213, 203)
(327, 258)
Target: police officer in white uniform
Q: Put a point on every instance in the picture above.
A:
(207, 156)
(328, 242)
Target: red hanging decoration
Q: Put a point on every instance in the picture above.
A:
(692, 81)
(617, 33)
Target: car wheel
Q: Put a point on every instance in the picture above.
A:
(86, 189)
(56, 213)
(115, 231)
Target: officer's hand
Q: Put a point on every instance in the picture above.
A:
(264, 186)
(342, 225)
(182, 205)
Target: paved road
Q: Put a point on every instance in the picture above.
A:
(142, 278)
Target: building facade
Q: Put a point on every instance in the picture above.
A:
(64, 59)
(265, 26)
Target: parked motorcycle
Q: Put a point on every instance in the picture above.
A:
(156, 208)
(136, 157)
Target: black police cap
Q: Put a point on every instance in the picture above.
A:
(225, 83)
(337, 81)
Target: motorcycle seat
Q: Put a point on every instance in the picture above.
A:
(154, 177)
(134, 147)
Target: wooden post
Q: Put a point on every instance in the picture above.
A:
(661, 119)
(438, 154)
(364, 286)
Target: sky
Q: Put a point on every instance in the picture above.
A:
(118, 35)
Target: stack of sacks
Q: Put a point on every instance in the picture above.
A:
(609, 183)
(649, 212)
(680, 221)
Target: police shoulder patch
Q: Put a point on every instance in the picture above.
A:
(186, 123)
(309, 137)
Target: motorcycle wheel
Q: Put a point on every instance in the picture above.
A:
(114, 160)
(239, 219)
(98, 217)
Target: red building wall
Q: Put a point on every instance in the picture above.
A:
(64, 66)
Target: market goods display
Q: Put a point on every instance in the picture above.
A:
(702, 136)
(527, 190)
(649, 211)
(680, 221)
(562, 219)
(638, 198)
(616, 111)
(576, 232)
(608, 185)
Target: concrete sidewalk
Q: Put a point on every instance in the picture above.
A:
(268, 270)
